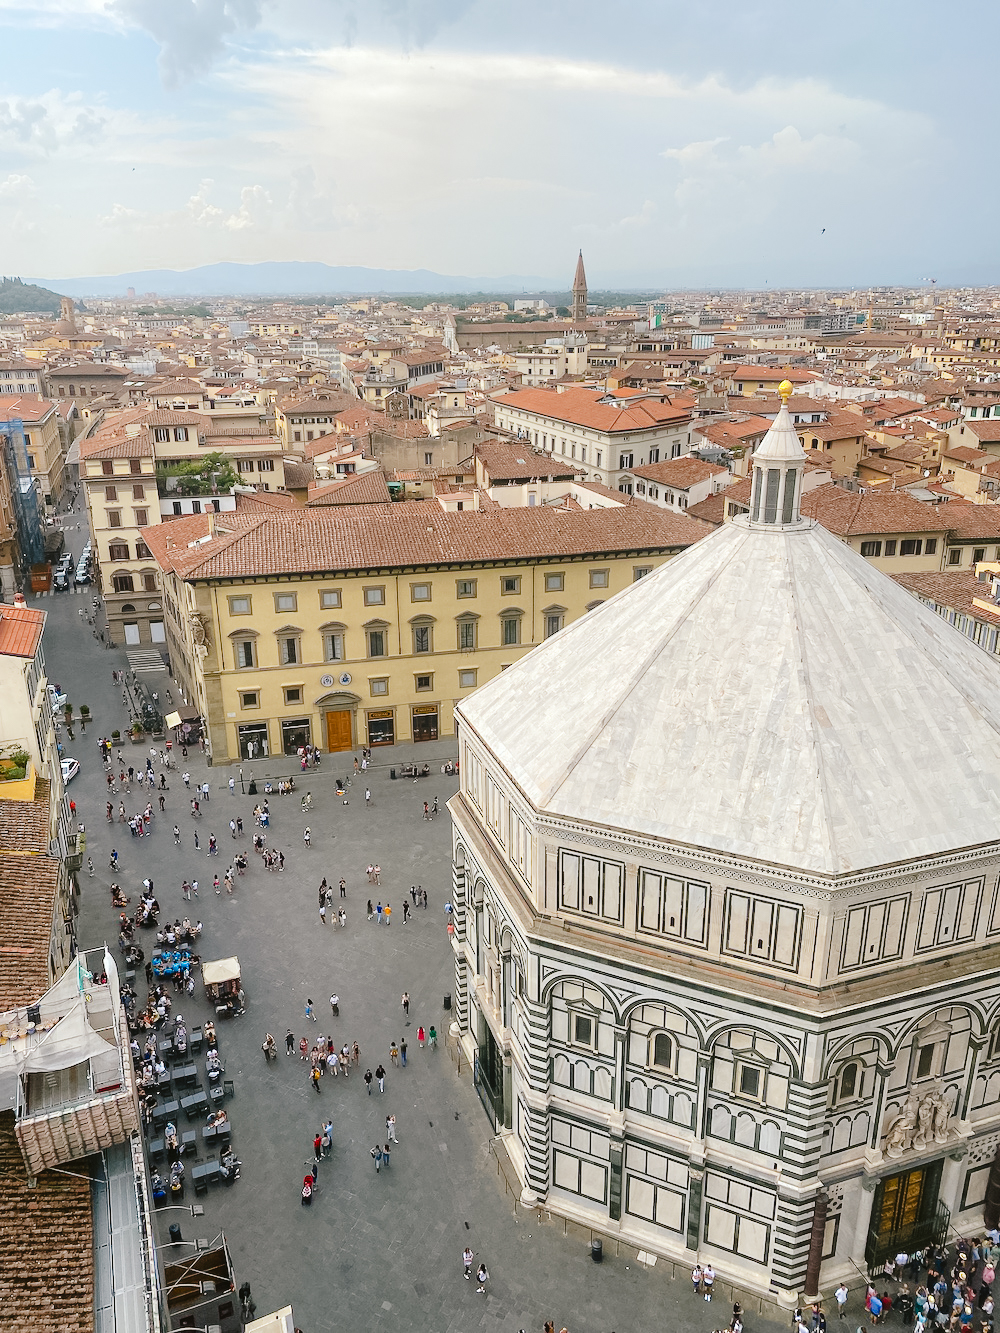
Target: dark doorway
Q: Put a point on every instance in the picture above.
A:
(906, 1213)
(489, 1073)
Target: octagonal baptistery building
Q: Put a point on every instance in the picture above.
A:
(727, 927)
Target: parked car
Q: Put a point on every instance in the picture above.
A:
(56, 700)
(70, 768)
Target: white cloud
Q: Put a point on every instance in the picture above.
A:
(465, 163)
(695, 152)
(17, 189)
(191, 33)
(43, 125)
(254, 210)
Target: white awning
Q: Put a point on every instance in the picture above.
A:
(213, 973)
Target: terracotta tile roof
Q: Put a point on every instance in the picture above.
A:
(117, 446)
(598, 489)
(313, 406)
(25, 407)
(46, 1245)
(583, 407)
(177, 387)
(24, 825)
(887, 466)
(361, 537)
(359, 418)
(983, 430)
(28, 889)
(297, 475)
(364, 489)
(259, 502)
(20, 630)
(837, 428)
(739, 492)
(905, 453)
(964, 454)
(681, 472)
(401, 430)
(710, 510)
(322, 444)
(956, 590)
(519, 462)
(969, 522)
(766, 373)
(731, 434)
(88, 369)
(852, 514)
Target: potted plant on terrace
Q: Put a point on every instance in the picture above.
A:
(137, 732)
(14, 764)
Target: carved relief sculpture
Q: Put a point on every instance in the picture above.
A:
(922, 1121)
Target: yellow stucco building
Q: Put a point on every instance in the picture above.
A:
(366, 624)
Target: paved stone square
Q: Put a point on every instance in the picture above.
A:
(373, 1251)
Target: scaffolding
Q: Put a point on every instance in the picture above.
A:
(23, 494)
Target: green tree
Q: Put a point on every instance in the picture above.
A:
(203, 476)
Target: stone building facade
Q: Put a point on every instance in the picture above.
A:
(727, 908)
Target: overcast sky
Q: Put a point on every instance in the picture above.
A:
(726, 144)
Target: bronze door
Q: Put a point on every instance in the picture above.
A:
(902, 1196)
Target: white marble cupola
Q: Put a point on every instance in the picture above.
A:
(778, 464)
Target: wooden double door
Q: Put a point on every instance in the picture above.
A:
(339, 733)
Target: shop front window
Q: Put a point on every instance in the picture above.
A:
(252, 737)
(425, 722)
(295, 733)
(381, 727)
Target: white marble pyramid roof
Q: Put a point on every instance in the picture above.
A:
(768, 694)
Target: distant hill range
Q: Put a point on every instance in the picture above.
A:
(18, 298)
(289, 279)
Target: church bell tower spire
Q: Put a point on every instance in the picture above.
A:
(579, 292)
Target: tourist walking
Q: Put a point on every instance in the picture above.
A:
(468, 1259)
(309, 1010)
(368, 1081)
(390, 1128)
(405, 1002)
(289, 1042)
(380, 1076)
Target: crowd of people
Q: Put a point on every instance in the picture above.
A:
(935, 1289)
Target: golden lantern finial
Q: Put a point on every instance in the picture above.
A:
(785, 390)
